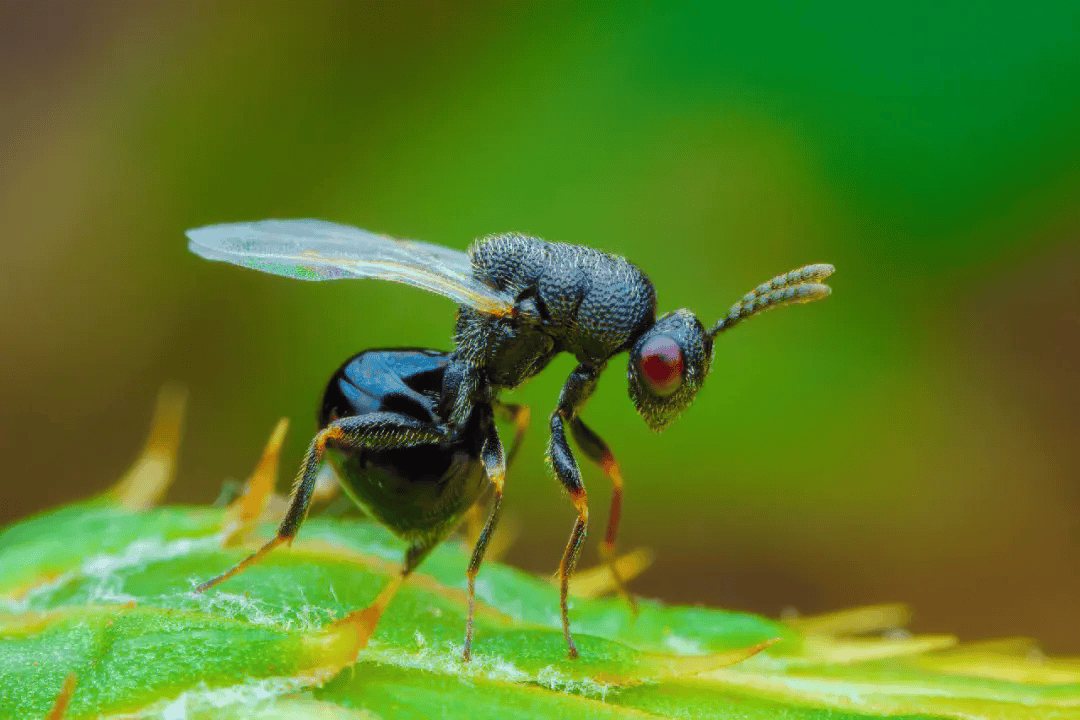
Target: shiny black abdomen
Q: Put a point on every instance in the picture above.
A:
(418, 492)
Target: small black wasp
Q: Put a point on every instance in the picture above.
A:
(411, 432)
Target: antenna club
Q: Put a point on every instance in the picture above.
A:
(797, 287)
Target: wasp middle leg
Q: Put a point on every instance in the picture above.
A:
(495, 465)
(519, 416)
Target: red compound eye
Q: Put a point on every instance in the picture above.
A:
(661, 363)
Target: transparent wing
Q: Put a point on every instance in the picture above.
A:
(320, 250)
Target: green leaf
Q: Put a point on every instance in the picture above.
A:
(104, 592)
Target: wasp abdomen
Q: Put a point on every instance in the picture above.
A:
(417, 492)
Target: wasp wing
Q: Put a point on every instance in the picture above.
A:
(320, 250)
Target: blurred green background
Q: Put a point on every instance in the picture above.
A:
(911, 439)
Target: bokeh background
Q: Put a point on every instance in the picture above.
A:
(914, 438)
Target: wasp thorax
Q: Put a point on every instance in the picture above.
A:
(668, 363)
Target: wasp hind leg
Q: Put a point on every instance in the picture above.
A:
(381, 431)
(366, 619)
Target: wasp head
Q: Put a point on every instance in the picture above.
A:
(670, 360)
(668, 364)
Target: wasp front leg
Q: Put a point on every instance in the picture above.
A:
(577, 389)
(598, 451)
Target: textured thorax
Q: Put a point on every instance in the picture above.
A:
(571, 299)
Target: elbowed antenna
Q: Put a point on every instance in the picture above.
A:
(795, 287)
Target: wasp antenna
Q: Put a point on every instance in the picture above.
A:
(795, 287)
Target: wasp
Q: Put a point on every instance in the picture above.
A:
(411, 432)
